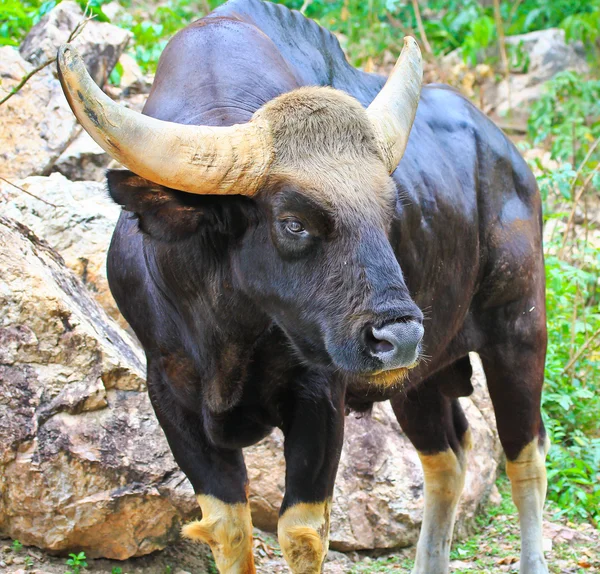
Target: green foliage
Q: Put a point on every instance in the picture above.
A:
(151, 34)
(28, 561)
(16, 546)
(116, 570)
(76, 563)
(116, 75)
(18, 16)
(571, 400)
(568, 116)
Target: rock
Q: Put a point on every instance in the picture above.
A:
(133, 80)
(100, 44)
(536, 58)
(36, 124)
(378, 499)
(113, 10)
(83, 160)
(546, 53)
(84, 465)
(79, 228)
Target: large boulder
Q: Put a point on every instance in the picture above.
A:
(542, 54)
(536, 57)
(83, 160)
(378, 499)
(100, 44)
(83, 462)
(78, 224)
(36, 124)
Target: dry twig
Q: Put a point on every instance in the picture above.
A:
(580, 352)
(28, 192)
(417, 10)
(576, 201)
(78, 29)
(305, 5)
(502, 47)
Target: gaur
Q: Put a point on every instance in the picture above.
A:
(280, 239)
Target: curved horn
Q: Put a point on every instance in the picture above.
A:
(393, 111)
(196, 159)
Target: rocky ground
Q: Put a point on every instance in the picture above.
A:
(493, 547)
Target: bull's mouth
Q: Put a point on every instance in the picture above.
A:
(390, 378)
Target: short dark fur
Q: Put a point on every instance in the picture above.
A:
(247, 326)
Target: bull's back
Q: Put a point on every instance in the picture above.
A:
(458, 175)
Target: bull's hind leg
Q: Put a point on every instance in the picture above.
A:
(438, 428)
(313, 431)
(515, 372)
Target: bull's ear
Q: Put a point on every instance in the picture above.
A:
(163, 213)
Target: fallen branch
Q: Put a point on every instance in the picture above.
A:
(305, 5)
(28, 192)
(502, 47)
(417, 10)
(25, 79)
(576, 201)
(580, 352)
(78, 29)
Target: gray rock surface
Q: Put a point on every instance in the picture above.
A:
(83, 462)
(547, 53)
(100, 44)
(79, 227)
(537, 57)
(83, 160)
(36, 124)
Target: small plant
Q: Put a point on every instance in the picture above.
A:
(28, 562)
(16, 546)
(116, 570)
(76, 562)
(168, 569)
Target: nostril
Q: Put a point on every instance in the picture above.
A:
(376, 344)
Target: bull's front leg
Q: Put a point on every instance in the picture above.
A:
(227, 529)
(218, 476)
(314, 430)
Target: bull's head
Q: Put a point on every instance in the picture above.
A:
(317, 257)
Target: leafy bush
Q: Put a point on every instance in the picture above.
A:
(18, 17)
(151, 34)
(571, 400)
(568, 116)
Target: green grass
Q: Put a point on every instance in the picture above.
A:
(493, 548)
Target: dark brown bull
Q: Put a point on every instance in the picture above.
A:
(274, 271)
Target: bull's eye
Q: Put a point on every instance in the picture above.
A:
(294, 226)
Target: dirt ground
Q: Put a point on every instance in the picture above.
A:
(492, 548)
